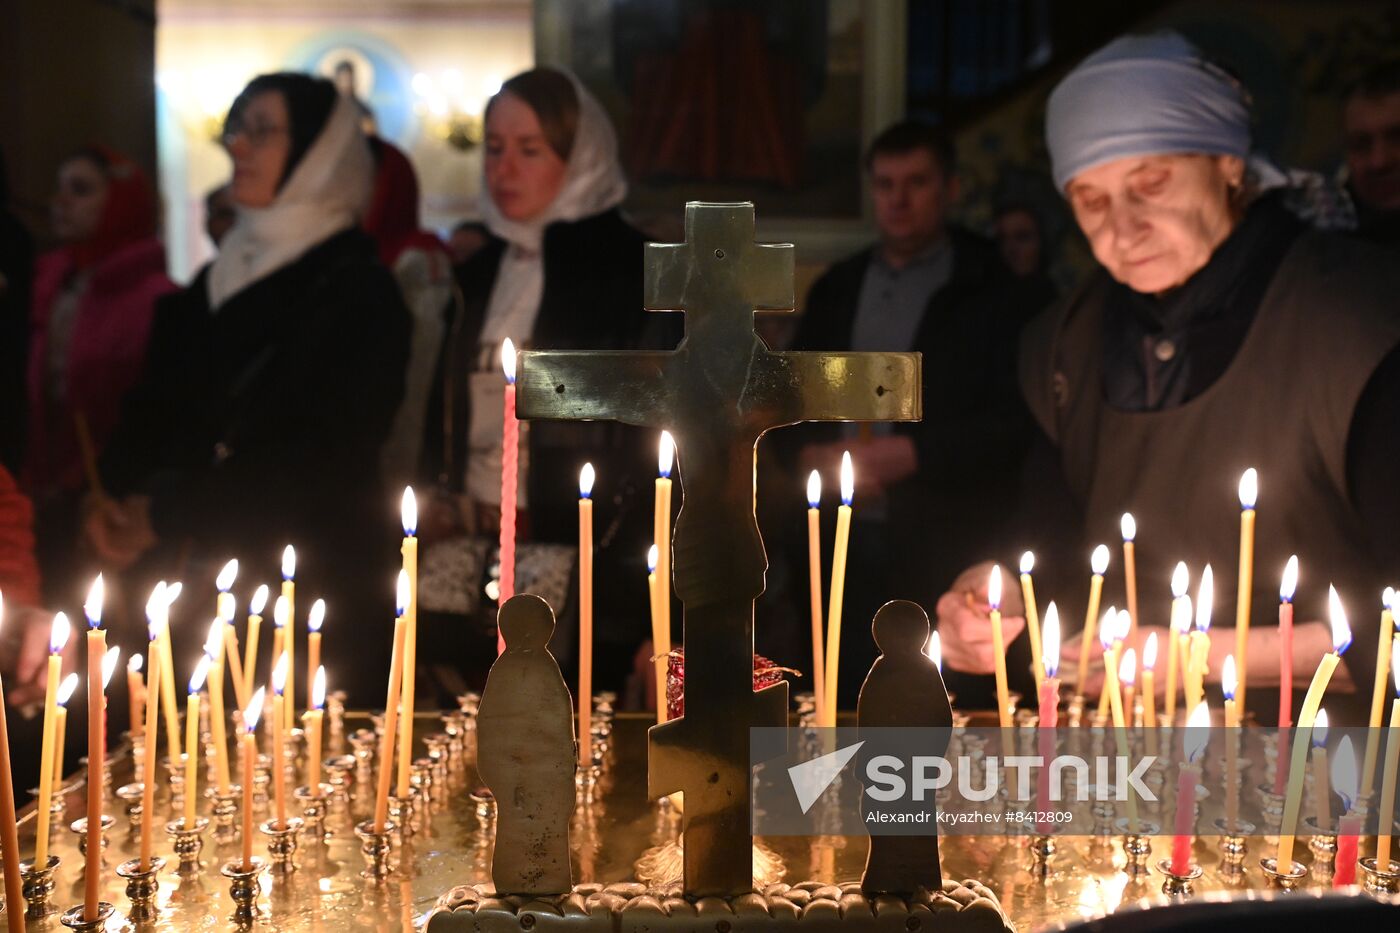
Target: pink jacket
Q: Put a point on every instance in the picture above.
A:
(106, 354)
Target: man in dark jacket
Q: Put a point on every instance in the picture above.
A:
(925, 506)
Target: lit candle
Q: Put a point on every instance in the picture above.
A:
(838, 585)
(1228, 681)
(1378, 693)
(58, 638)
(1032, 618)
(408, 689)
(60, 729)
(1249, 494)
(1098, 563)
(155, 623)
(661, 536)
(97, 748)
(192, 755)
(1391, 769)
(228, 657)
(170, 712)
(1149, 686)
(1049, 706)
(315, 713)
(1349, 826)
(1108, 632)
(1199, 656)
(250, 650)
(999, 646)
(1322, 791)
(289, 632)
(314, 620)
(934, 650)
(248, 743)
(1193, 743)
(279, 767)
(1307, 715)
(1286, 588)
(658, 663)
(1180, 625)
(510, 469)
(281, 620)
(135, 696)
(9, 828)
(1112, 630)
(1127, 678)
(585, 616)
(391, 711)
(814, 583)
(214, 649)
(1128, 526)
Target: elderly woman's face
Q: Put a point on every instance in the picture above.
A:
(1154, 221)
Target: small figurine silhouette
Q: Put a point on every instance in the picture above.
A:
(526, 754)
(903, 689)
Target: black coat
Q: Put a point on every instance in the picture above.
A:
(260, 424)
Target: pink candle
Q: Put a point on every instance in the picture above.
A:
(1285, 670)
(510, 459)
(1347, 832)
(1049, 707)
(1344, 781)
(1193, 743)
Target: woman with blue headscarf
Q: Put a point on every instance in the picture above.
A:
(1221, 333)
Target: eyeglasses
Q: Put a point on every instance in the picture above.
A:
(257, 135)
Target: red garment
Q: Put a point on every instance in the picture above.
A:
(106, 353)
(19, 572)
(392, 217)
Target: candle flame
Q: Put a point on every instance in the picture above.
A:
(1319, 729)
(58, 632)
(401, 594)
(1197, 736)
(1050, 640)
(1149, 653)
(934, 650)
(1128, 525)
(93, 607)
(225, 579)
(1229, 678)
(133, 663)
(280, 612)
(508, 360)
(994, 587)
(814, 489)
(289, 562)
(1289, 585)
(317, 616)
(1027, 562)
(1205, 598)
(1108, 627)
(1183, 623)
(1249, 488)
(109, 665)
(279, 674)
(586, 476)
(201, 671)
(1181, 580)
(215, 638)
(254, 710)
(1344, 776)
(1395, 661)
(1125, 625)
(318, 688)
(652, 555)
(1098, 561)
(1341, 630)
(66, 688)
(408, 512)
(1127, 668)
(1388, 598)
(665, 454)
(848, 479)
(259, 602)
(172, 593)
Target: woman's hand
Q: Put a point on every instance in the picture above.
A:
(119, 531)
(964, 620)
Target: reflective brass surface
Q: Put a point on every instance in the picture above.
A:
(717, 393)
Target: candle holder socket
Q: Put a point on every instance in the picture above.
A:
(130, 796)
(1234, 842)
(315, 803)
(223, 808)
(1178, 885)
(376, 847)
(37, 886)
(79, 828)
(1323, 843)
(188, 841)
(1283, 880)
(282, 844)
(1271, 804)
(262, 780)
(75, 918)
(421, 776)
(1380, 882)
(244, 887)
(401, 812)
(338, 772)
(335, 713)
(1041, 848)
(142, 887)
(1137, 844)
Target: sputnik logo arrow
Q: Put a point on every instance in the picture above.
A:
(810, 779)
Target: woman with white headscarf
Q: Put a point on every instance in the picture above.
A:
(563, 270)
(1221, 333)
(274, 376)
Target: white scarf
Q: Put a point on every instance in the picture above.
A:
(326, 193)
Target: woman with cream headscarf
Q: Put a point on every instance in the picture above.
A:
(563, 270)
(1221, 333)
(274, 376)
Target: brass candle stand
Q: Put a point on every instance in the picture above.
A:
(79, 828)
(282, 844)
(1178, 885)
(74, 918)
(1282, 880)
(141, 888)
(244, 887)
(1377, 881)
(37, 887)
(130, 796)
(376, 847)
(188, 840)
(223, 809)
(1234, 844)
(1137, 845)
(315, 804)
